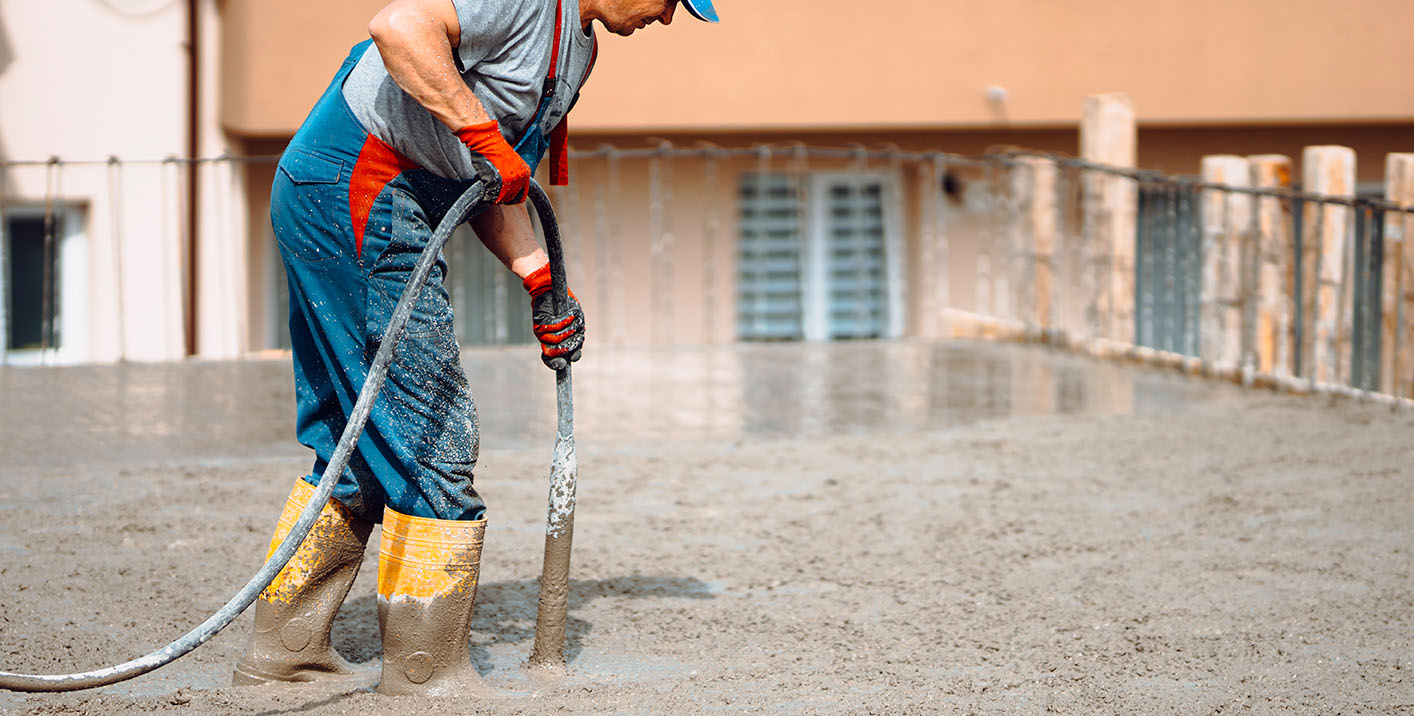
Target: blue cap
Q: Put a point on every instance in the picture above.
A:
(701, 9)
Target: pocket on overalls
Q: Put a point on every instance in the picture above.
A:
(303, 206)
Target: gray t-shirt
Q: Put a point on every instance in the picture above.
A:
(504, 57)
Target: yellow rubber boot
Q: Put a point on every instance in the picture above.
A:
(293, 614)
(427, 573)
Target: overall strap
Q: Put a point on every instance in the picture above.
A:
(559, 138)
(555, 47)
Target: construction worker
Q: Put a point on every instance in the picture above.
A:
(447, 93)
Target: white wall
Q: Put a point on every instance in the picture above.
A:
(84, 80)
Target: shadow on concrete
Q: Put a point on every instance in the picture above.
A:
(330, 700)
(505, 613)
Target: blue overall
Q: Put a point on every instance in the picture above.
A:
(351, 218)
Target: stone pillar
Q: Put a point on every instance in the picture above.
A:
(1273, 267)
(1227, 217)
(1108, 135)
(1397, 341)
(1326, 246)
(1033, 184)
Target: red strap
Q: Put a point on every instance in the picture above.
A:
(560, 153)
(555, 50)
(560, 137)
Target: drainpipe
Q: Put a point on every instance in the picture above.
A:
(193, 153)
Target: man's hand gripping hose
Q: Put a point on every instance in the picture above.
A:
(561, 333)
(469, 204)
(507, 174)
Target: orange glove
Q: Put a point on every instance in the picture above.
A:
(485, 140)
(561, 335)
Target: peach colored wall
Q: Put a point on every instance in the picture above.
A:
(796, 64)
(278, 56)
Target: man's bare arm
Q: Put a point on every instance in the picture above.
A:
(416, 39)
(507, 233)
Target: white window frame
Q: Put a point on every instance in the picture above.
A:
(815, 274)
(72, 313)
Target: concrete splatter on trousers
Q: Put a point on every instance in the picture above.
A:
(351, 217)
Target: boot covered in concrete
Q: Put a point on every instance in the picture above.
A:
(293, 614)
(427, 574)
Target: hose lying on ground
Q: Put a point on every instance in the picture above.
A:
(462, 209)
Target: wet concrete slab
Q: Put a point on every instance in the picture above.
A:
(847, 528)
(244, 410)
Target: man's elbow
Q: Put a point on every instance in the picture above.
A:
(397, 23)
(408, 22)
(383, 26)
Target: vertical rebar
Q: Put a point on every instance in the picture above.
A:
(661, 243)
(927, 249)
(1021, 243)
(1096, 271)
(172, 245)
(1404, 285)
(1249, 259)
(1143, 264)
(711, 228)
(1070, 296)
(1173, 302)
(1188, 238)
(616, 278)
(893, 305)
(940, 260)
(1358, 307)
(813, 295)
(1214, 334)
(115, 222)
(572, 227)
(994, 246)
(602, 239)
(5, 307)
(1375, 317)
(1317, 258)
(858, 276)
(47, 308)
(1298, 286)
(756, 296)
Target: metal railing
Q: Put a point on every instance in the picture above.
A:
(1263, 285)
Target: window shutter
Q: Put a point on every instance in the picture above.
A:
(768, 259)
(857, 304)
